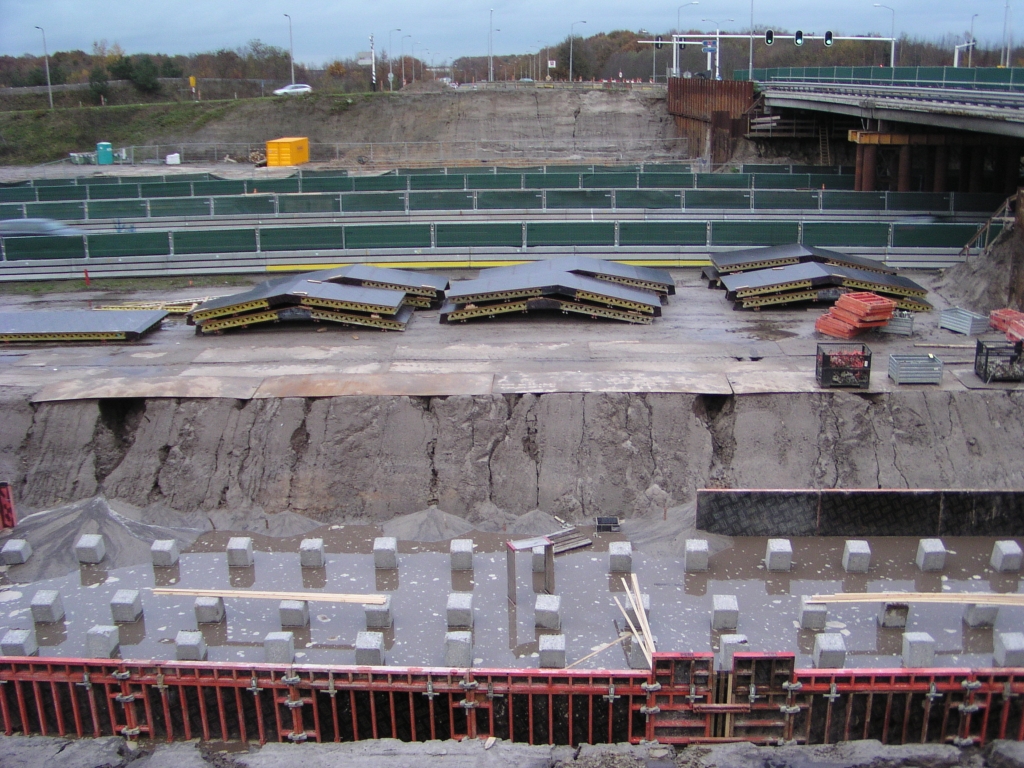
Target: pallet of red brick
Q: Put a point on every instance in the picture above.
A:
(1000, 319)
(869, 307)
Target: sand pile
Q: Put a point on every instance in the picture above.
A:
(430, 524)
(984, 283)
(665, 535)
(535, 523)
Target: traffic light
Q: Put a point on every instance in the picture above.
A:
(828, 39)
(769, 37)
(798, 38)
(658, 42)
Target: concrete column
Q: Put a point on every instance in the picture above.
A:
(977, 169)
(1011, 169)
(903, 178)
(965, 169)
(870, 161)
(941, 166)
(929, 169)
(858, 179)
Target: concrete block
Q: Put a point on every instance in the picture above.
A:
(636, 657)
(547, 612)
(538, 559)
(462, 554)
(980, 614)
(1006, 556)
(385, 553)
(189, 645)
(725, 612)
(311, 553)
(645, 602)
(19, 642)
(931, 555)
(893, 615)
(812, 615)
(778, 555)
(829, 651)
(370, 649)
(730, 645)
(552, 651)
(1008, 649)
(379, 616)
(620, 557)
(918, 649)
(126, 606)
(90, 548)
(294, 613)
(15, 552)
(102, 641)
(458, 649)
(209, 610)
(459, 611)
(240, 552)
(164, 552)
(279, 648)
(856, 556)
(695, 555)
(47, 606)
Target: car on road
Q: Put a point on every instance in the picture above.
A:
(36, 228)
(295, 89)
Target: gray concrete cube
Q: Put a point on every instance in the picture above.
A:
(812, 615)
(209, 610)
(459, 611)
(279, 648)
(461, 551)
(980, 614)
(47, 607)
(240, 552)
(15, 552)
(311, 553)
(729, 646)
(1006, 556)
(19, 642)
(537, 559)
(645, 602)
(552, 651)
(1008, 649)
(379, 616)
(385, 553)
(458, 649)
(620, 557)
(695, 555)
(778, 555)
(829, 651)
(126, 606)
(725, 612)
(90, 548)
(370, 649)
(294, 613)
(547, 612)
(102, 641)
(164, 552)
(931, 555)
(636, 657)
(189, 645)
(893, 615)
(918, 649)
(856, 556)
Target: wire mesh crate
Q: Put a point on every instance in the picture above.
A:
(915, 369)
(843, 365)
(999, 361)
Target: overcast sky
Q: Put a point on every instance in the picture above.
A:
(324, 31)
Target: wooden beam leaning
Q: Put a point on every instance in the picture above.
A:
(987, 598)
(255, 594)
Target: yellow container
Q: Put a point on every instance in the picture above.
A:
(288, 151)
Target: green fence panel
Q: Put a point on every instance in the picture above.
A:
(221, 187)
(388, 236)
(379, 183)
(551, 180)
(327, 172)
(473, 170)
(26, 248)
(17, 195)
(780, 180)
(666, 180)
(978, 202)
(420, 171)
(215, 241)
(457, 181)
(54, 182)
(189, 177)
(852, 201)
(754, 232)
(384, 201)
(185, 207)
(440, 201)
(62, 193)
(113, 191)
(276, 186)
(245, 205)
(855, 233)
(608, 180)
(768, 199)
(723, 180)
(301, 238)
(116, 209)
(831, 181)
(715, 198)
(169, 189)
(478, 235)
(11, 211)
(765, 168)
(578, 198)
(918, 201)
(570, 233)
(99, 181)
(108, 246)
(326, 184)
(494, 181)
(932, 235)
(61, 211)
(663, 233)
(528, 169)
(668, 167)
(309, 204)
(492, 201)
(648, 198)
(632, 169)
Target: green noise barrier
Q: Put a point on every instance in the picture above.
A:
(648, 198)
(639, 233)
(185, 207)
(301, 238)
(215, 241)
(478, 235)
(570, 233)
(128, 244)
(754, 233)
(508, 200)
(356, 203)
(26, 248)
(842, 233)
(388, 236)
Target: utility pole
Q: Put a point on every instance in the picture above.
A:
(391, 56)
(291, 48)
(403, 59)
(675, 44)
(1004, 55)
(970, 51)
(892, 32)
(571, 33)
(46, 59)
(490, 49)
(750, 54)
(718, 48)
(373, 66)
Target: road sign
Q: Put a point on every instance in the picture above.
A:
(391, 77)
(712, 48)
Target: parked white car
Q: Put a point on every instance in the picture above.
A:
(293, 90)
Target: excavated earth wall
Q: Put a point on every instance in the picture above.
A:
(574, 455)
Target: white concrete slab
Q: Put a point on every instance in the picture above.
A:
(612, 381)
(162, 386)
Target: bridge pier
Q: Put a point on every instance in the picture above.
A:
(941, 166)
(858, 179)
(870, 163)
(903, 175)
(977, 169)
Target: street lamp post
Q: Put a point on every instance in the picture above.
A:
(46, 60)
(291, 48)
(571, 33)
(892, 34)
(490, 49)
(718, 47)
(750, 53)
(970, 51)
(391, 56)
(1004, 55)
(675, 44)
(403, 58)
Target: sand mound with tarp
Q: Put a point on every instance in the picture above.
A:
(430, 524)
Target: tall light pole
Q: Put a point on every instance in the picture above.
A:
(570, 45)
(391, 56)
(46, 59)
(750, 54)
(543, 46)
(490, 48)
(718, 47)
(675, 45)
(291, 48)
(892, 33)
(403, 58)
(1004, 55)
(970, 51)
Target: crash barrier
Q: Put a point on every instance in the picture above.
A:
(763, 699)
(980, 78)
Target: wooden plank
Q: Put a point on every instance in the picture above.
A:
(986, 598)
(255, 594)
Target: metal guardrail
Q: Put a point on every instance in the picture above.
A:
(975, 78)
